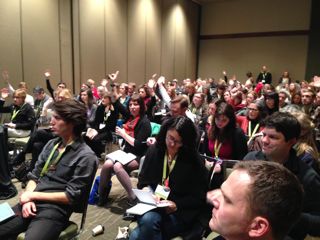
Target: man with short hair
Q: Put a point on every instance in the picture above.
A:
(61, 180)
(259, 200)
(42, 100)
(307, 98)
(264, 76)
(279, 136)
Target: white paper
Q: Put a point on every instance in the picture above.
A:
(121, 157)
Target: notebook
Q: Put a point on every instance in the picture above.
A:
(147, 202)
(6, 211)
(121, 156)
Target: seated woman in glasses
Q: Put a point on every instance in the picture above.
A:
(250, 124)
(173, 164)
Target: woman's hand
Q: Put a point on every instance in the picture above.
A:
(120, 131)
(172, 206)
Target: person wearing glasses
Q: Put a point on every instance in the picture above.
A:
(173, 165)
(22, 118)
(250, 124)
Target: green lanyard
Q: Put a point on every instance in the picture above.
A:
(251, 134)
(45, 169)
(15, 112)
(165, 179)
(217, 148)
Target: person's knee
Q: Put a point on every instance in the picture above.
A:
(151, 220)
(118, 167)
(107, 166)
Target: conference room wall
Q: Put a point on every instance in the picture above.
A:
(76, 40)
(242, 35)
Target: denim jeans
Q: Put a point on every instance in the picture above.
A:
(157, 225)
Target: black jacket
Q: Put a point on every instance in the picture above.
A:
(188, 181)
(25, 119)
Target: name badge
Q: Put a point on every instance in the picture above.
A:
(162, 192)
(101, 125)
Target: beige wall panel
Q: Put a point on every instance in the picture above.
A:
(180, 43)
(66, 42)
(237, 56)
(92, 41)
(237, 16)
(116, 28)
(167, 39)
(10, 41)
(76, 42)
(40, 40)
(153, 37)
(192, 39)
(136, 41)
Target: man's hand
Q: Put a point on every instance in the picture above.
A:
(113, 76)
(47, 74)
(29, 209)
(25, 197)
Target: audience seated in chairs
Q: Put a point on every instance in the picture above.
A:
(60, 181)
(135, 132)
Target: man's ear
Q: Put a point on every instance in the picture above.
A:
(259, 227)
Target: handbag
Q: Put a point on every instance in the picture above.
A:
(94, 194)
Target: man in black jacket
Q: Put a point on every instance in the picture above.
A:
(279, 135)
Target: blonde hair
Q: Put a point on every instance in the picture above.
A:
(20, 93)
(306, 142)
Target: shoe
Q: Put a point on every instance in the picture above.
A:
(20, 158)
(128, 217)
(122, 233)
(7, 192)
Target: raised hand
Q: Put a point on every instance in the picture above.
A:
(5, 76)
(47, 74)
(4, 93)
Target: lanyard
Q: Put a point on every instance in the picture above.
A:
(217, 148)
(106, 116)
(251, 134)
(55, 161)
(165, 181)
(15, 113)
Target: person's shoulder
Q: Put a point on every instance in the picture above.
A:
(254, 155)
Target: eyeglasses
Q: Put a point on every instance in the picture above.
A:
(252, 109)
(173, 141)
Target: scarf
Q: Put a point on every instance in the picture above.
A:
(130, 125)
